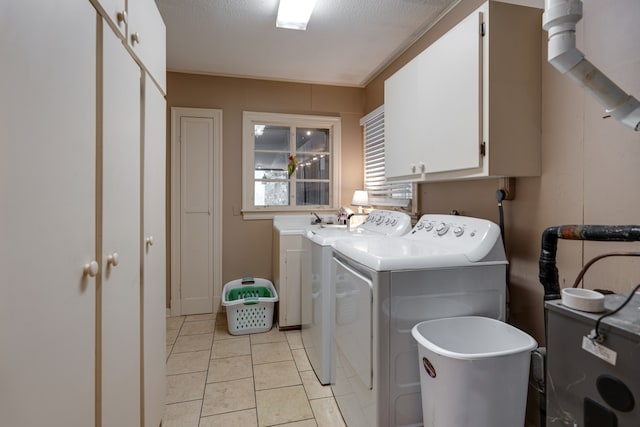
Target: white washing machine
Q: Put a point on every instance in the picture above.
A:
(316, 298)
(446, 266)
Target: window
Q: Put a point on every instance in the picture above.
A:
(290, 163)
(381, 192)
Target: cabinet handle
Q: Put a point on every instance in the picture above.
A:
(135, 38)
(149, 241)
(112, 259)
(122, 17)
(91, 269)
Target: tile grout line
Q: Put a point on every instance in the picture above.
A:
(253, 378)
(206, 378)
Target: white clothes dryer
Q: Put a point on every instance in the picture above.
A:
(316, 298)
(446, 266)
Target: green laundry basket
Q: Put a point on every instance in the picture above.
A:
(249, 303)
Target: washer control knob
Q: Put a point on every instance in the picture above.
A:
(429, 226)
(394, 221)
(458, 231)
(442, 229)
(419, 226)
(380, 219)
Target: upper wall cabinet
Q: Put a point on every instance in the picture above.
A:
(146, 27)
(469, 105)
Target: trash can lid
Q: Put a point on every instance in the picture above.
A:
(471, 337)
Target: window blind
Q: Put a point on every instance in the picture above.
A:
(381, 192)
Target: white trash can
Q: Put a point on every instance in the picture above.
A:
(474, 371)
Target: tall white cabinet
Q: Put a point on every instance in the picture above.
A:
(153, 255)
(120, 214)
(47, 213)
(82, 223)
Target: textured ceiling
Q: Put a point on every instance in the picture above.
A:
(347, 42)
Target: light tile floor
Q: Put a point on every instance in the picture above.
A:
(258, 380)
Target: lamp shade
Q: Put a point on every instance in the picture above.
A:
(360, 198)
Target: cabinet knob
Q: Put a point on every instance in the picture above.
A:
(122, 17)
(135, 38)
(422, 167)
(112, 259)
(413, 168)
(91, 269)
(149, 241)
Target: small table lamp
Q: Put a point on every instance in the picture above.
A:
(360, 199)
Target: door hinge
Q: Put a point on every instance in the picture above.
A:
(483, 149)
(482, 29)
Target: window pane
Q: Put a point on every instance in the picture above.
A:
(271, 162)
(271, 137)
(312, 166)
(312, 193)
(271, 193)
(312, 140)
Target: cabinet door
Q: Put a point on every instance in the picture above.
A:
(120, 235)
(147, 36)
(451, 88)
(47, 213)
(404, 133)
(115, 12)
(291, 294)
(433, 115)
(154, 255)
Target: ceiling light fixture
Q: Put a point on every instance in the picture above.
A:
(294, 14)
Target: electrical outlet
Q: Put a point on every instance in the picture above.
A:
(508, 185)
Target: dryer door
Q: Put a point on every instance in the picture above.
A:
(353, 330)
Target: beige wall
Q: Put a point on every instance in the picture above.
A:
(247, 244)
(589, 175)
(590, 166)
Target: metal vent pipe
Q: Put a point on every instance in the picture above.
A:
(548, 273)
(559, 19)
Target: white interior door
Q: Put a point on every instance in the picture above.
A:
(120, 291)
(196, 245)
(47, 213)
(154, 286)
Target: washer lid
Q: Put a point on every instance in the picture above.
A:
(378, 223)
(436, 241)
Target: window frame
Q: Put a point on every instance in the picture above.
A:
(252, 118)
